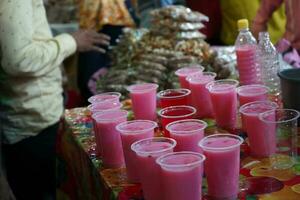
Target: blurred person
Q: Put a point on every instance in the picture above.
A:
(31, 102)
(104, 16)
(289, 46)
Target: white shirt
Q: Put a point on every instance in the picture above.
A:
(30, 77)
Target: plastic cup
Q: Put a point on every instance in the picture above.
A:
(184, 72)
(224, 100)
(175, 113)
(222, 164)
(107, 96)
(181, 175)
(187, 133)
(147, 151)
(200, 95)
(131, 132)
(143, 98)
(262, 143)
(109, 139)
(282, 123)
(173, 97)
(104, 106)
(250, 93)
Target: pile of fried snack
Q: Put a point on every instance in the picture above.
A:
(153, 55)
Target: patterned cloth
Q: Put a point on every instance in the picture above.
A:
(257, 179)
(93, 14)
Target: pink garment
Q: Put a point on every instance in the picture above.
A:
(292, 10)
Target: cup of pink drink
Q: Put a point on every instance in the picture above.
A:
(147, 151)
(173, 97)
(109, 138)
(106, 96)
(187, 134)
(222, 164)
(143, 97)
(184, 72)
(224, 100)
(250, 93)
(262, 142)
(131, 132)
(175, 113)
(200, 94)
(181, 175)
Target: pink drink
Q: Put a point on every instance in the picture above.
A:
(247, 64)
(200, 94)
(222, 164)
(224, 100)
(143, 98)
(147, 151)
(107, 96)
(187, 134)
(175, 113)
(173, 97)
(181, 175)
(109, 138)
(262, 141)
(250, 93)
(184, 72)
(131, 132)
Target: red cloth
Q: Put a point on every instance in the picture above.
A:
(212, 9)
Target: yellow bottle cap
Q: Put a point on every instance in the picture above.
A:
(243, 24)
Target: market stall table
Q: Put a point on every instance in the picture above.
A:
(81, 175)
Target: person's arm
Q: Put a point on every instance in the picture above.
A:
(22, 54)
(264, 13)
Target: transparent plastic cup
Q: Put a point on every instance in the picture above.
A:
(175, 113)
(182, 169)
(104, 106)
(184, 72)
(131, 132)
(222, 164)
(106, 96)
(262, 142)
(147, 151)
(224, 100)
(109, 139)
(187, 133)
(143, 97)
(173, 97)
(282, 123)
(250, 93)
(200, 94)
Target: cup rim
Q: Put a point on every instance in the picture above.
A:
(188, 92)
(283, 76)
(271, 103)
(189, 78)
(119, 126)
(240, 88)
(131, 87)
(92, 99)
(186, 120)
(172, 142)
(235, 83)
(92, 108)
(201, 157)
(200, 144)
(262, 115)
(178, 72)
(175, 108)
(95, 116)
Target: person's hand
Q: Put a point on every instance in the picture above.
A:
(89, 40)
(256, 28)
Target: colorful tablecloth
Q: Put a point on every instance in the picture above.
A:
(81, 175)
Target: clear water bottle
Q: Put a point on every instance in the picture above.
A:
(269, 64)
(246, 52)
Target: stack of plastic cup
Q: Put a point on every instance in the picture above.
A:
(184, 72)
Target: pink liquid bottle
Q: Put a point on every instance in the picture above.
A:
(246, 53)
